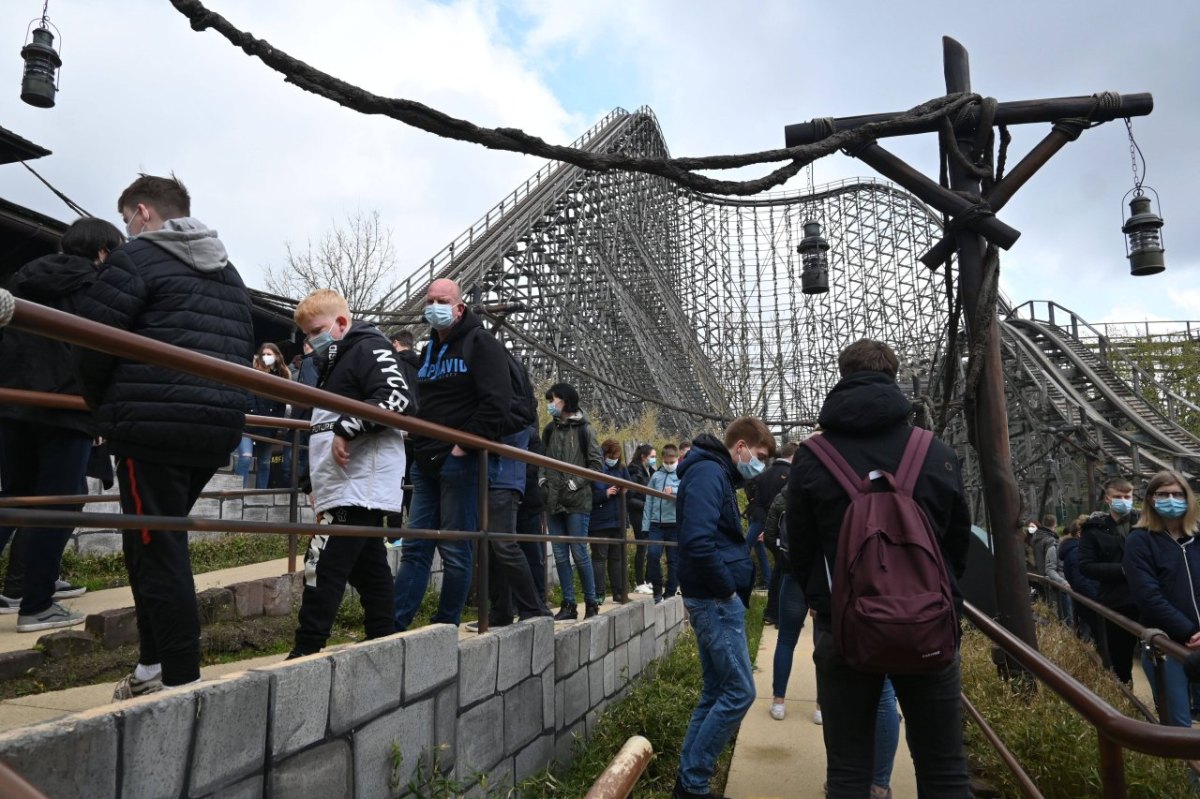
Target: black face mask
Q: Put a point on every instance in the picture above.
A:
(324, 359)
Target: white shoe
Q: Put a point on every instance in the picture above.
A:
(778, 711)
(817, 717)
(644, 588)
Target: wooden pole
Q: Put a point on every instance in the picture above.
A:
(991, 412)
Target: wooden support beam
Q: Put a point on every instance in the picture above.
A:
(1014, 113)
(1020, 174)
(893, 167)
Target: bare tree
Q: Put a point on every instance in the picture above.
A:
(355, 259)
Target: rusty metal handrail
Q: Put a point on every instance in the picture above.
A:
(620, 776)
(30, 517)
(94, 499)
(1026, 783)
(34, 318)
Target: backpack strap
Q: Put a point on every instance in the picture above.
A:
(828, 455)
(913, 459)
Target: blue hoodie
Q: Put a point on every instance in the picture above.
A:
(658, 510)
(713, 560)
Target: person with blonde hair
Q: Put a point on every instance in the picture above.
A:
(1162, 564)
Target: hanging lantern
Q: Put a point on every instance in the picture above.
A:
(1143, 236)
(40, 81)
(814, 275)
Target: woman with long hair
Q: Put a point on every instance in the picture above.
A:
(641, 466)
(1162, 564)
(269, 359)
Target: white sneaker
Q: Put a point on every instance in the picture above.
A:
(817, 717)
(644, 588)
(778, 711)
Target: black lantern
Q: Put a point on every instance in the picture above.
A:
(814, 275)
(40, 81)
(1143, 236)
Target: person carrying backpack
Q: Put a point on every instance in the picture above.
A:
(864, 426)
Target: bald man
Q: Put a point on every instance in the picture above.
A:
(463, 382)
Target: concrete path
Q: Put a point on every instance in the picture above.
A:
(786, 759)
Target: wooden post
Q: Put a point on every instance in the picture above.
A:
(991, 412)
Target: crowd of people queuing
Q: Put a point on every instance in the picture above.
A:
(169, 278)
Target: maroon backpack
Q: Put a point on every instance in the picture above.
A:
(893, 610)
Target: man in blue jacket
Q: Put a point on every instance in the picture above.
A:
(715, 575)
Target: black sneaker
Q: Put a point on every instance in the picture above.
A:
(680, 793)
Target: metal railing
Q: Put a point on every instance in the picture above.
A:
(44, 321)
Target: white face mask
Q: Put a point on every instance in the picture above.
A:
(268, 360)
(1032, 529)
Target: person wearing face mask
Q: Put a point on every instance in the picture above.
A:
(1101, 552)
(170, 431)
(270, 360)
(1162, 564)
(865, 418)
(463, 382)
(605, 522)
(716, 576)
(641, 466)
(658, 523)
(46, 450)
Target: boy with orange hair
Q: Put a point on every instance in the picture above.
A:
(355, 467)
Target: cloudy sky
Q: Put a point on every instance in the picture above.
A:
(268, 163)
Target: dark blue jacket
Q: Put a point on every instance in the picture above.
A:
(1164, 575)
(713, 560)
(507, 473)
(606, 510)
(1068, 553)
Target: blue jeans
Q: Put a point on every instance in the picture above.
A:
(758, 552)
(728, 687)
(850, 703)
(576, 526)
(245, 457)
(446, 501)
(887, 735)
(792, 608)
(1179, 697)
(658, 534)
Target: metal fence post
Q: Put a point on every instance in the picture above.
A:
(294, 500)
(482, 549)
(1112, 767)
(621, 592)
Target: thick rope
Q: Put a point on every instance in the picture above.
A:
(679, 170)
(7, 306)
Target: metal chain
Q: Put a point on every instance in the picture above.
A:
(45, 11)
(1133, 156)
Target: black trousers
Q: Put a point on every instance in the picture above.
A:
(1121, 645)
(772, 609)
(606, 559)
(639, 556)
(511, 590)
(534, 551)
(159, 566)
(333, 561)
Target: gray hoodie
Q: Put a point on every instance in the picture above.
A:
(192, 242)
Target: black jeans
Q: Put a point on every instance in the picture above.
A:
(1121, 645)
(159, 566)
(534, 551)
(772, 609)
(639, 556)
(932, 709)
(606, 559)
(40, 460)
(511, 589)
(333, 561)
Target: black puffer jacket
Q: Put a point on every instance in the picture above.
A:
(865, 418)
(762, 490)
(177, 286)
(35, 363)
(1101, 554)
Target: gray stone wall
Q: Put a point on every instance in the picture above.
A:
(360, 720)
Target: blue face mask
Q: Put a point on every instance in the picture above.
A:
(553, 410)
(1171, 508)
(320, 342)
(751, 469)
(652, 461)
(610, 462)
(439, 316)
(1120, 506)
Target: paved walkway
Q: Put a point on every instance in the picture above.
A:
(786, 759)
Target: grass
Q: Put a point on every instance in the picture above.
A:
(1056, 745)
(659, 707)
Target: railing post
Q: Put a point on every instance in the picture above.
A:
(1112, 768)
(294, 499)
(482, 548)
(1160, 682)
(621, 593)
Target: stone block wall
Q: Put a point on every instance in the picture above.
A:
(358, 721)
